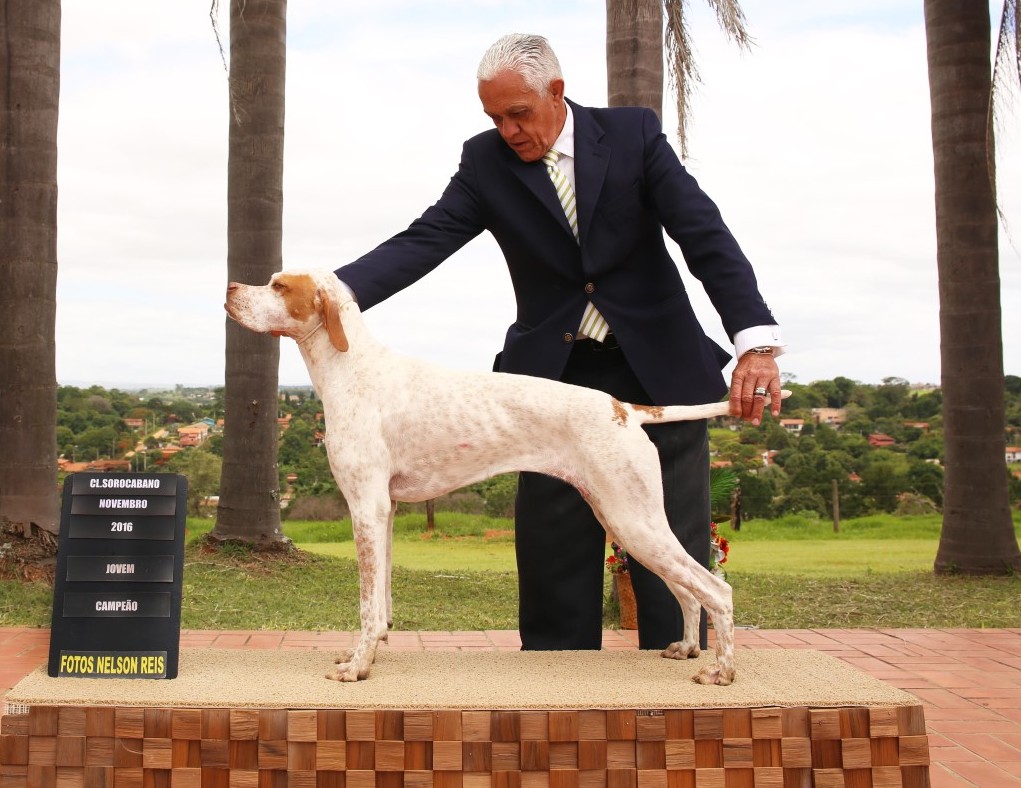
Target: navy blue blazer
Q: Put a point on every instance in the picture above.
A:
(630, 188)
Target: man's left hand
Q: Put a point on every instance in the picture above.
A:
(755, 371)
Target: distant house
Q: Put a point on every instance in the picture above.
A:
(834, 417)
(917, 425)
(65, 465)
(101, 466)
(1014, 454)
(134, 423)
(105, 466)
(793, 425)
(880, 440)
(193, 435)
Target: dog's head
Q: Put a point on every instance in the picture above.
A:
(294, 304)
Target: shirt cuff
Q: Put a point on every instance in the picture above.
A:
(758, 336)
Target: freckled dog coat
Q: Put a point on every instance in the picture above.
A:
(400, 429)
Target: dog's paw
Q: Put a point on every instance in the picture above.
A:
(347, 672)
(715, 674)
(682, 649)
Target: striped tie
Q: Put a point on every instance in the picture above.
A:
(593, 324)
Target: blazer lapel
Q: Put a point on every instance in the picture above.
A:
(591, 160)
(536, 178)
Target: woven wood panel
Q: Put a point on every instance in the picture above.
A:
(122, 747)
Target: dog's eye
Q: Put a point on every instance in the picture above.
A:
(278, 287)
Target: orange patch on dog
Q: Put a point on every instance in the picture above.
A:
(619, 412)
(299, 294)
(656, 411)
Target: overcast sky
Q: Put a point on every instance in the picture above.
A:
(815, 145)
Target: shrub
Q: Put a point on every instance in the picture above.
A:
(317, 507)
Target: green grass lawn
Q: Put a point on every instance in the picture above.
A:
(796, 546)
(473, 553)
(803, 558)
(792, 573)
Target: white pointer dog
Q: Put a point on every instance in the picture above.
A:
(399, 429)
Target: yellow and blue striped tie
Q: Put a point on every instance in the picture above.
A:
(593, 324)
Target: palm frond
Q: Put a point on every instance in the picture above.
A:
(681, 58)
(1006, 66)
(722, 482)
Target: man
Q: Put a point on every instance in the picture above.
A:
(600, 303)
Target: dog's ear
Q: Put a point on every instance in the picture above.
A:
(330, 315)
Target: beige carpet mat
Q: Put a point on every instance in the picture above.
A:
(474, 680)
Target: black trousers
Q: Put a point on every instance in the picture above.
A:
(560, 545)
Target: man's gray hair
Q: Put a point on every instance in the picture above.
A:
(530, 56)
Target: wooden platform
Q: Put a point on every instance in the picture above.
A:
(461, 720)
(135, 747)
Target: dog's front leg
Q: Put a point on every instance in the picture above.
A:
(389, 621)
(370, 525)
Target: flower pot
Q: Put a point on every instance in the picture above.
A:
(626, 597)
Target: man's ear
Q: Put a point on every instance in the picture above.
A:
(330, 315)
(556, 89)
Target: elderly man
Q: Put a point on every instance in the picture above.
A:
(578, 200)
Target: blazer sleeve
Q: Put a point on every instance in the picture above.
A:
(693, 220)
(445, 227)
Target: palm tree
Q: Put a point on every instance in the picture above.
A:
(30, 63)
(635, 43)
(977, 535)
(249, 509)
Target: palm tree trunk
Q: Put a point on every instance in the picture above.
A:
(978, 534)
(634, 53)
(29, 90)
(249, 508)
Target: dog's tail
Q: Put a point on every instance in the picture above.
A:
(653, 414)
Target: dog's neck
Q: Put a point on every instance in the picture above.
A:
(308, 334)
(324, 362)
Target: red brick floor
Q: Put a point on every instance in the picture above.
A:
(969, 680)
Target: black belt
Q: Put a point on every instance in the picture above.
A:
(588, 345)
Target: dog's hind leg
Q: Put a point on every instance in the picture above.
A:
(688, 647)
(633, 511)
(692, 583)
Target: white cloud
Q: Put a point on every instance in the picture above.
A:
(815, 145)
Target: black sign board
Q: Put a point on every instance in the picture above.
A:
(117, 596)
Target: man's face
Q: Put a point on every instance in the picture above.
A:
(529, 122)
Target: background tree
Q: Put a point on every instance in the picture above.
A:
(203, 471)
(249, 508)
(635, 46)
(977, 535)
(29, 90)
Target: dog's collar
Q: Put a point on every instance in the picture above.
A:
(308, 336)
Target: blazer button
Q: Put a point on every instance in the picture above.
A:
(568, 337)
(590, 288)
